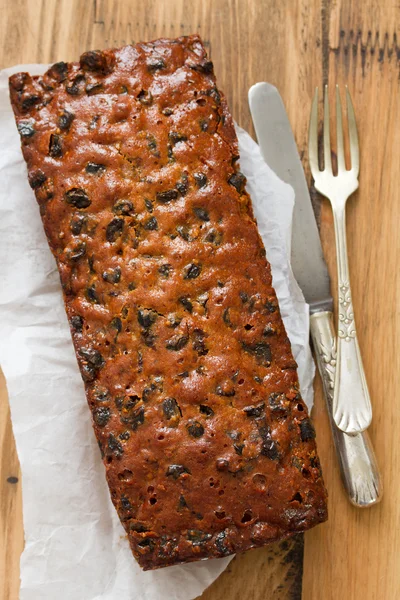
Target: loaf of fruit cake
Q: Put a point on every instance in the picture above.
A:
(207, 444)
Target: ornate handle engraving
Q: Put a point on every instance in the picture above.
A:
(328, 360)
(352, 410)
(356, 457)
(347, 327)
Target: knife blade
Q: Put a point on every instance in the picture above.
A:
(279, 150)
(357, 462)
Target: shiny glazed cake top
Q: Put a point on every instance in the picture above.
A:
(188, 370)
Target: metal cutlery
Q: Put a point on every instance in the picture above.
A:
(356, 457)
(352, 410)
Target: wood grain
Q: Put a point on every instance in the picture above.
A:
(295, 46)
(11, 529)
(357, 548)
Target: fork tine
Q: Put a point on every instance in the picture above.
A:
(339, 133)
(313, 136)
(327, 135)
(353, 137)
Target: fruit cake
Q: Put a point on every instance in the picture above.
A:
(207, 444)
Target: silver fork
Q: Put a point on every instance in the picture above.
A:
(352, 410)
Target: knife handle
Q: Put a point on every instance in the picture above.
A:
(357, 461)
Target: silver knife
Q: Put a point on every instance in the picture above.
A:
(356, 456)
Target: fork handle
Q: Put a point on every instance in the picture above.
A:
(357, 462)
(352, 411)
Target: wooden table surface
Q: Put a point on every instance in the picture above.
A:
(295, 45)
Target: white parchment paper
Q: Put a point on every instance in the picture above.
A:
(75, 548)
